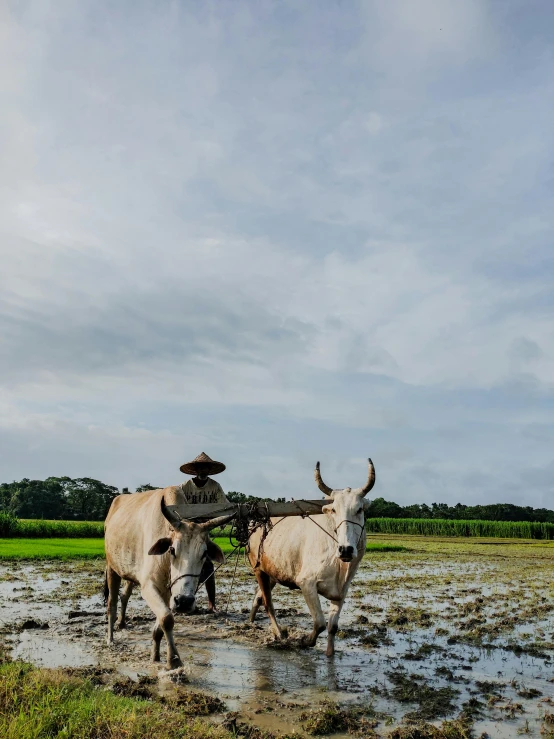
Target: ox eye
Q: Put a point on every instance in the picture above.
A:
(333, 510)
(172, 551)
(360, 510)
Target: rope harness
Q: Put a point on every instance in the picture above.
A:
(247, 520)
(354, 523)
(199, 585)
(305, 514)
(188, 574)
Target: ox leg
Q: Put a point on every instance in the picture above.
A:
(113, 582)
(157, 635)
(309, 591)
(333, 625)
(259, 601)
(165, 622)
(265, 587)
(124, 597)
(256, 603)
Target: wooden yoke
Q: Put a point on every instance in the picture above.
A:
(200, 512)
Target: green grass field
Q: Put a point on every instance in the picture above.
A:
(43, 549)
(11, 549)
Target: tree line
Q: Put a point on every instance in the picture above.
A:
(86, 499)
(381, 508)
(61, 498)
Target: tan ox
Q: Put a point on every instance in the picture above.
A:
(319, 557)
(148, 545)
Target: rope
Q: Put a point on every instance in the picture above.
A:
(247, 520)
(222, 564)
(187, 574)
(305, 514)
(232, 582)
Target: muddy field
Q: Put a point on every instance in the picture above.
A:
(450, 631)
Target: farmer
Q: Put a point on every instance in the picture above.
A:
(202, 489)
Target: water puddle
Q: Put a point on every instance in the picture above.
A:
(50, 652)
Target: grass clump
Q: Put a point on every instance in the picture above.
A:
(432, 702)
(331, 719)
(457, 729)
(39, 704)
(41, 549)
(193, 703)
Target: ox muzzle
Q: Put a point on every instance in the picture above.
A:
(346, 553)
(184, 603)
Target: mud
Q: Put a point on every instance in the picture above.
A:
(449, 639)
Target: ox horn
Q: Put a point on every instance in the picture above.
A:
(325, 489)
(213, 523)
(171, 516)
(370, 480)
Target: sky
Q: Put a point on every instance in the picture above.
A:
(280, 232)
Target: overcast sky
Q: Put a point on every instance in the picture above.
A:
(279, 232)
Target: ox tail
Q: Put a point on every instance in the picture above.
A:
(106, 589)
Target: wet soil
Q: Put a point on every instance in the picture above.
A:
(454, 637)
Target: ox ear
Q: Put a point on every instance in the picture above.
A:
(215, 553)
(327, 508)
(161, 546)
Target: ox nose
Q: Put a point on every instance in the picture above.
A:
(346, 553)
(184, 603)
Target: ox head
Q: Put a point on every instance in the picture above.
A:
(346, 508)
(188, 545)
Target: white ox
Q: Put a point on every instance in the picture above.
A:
(319, 557)
(148, 545)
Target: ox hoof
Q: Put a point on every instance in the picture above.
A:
(330, 652)
(121, 625)
(174, 662)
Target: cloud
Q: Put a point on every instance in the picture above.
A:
(284, 233)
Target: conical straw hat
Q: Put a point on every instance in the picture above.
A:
(190, 468)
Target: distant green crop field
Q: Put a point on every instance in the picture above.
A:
(51, 548)
(42, 529)
(67, 548)
(446, 527)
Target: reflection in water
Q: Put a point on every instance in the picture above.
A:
(233, 668)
